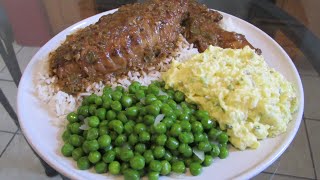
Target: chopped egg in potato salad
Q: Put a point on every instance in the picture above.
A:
(236, 86)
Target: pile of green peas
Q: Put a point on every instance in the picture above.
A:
(121, 136)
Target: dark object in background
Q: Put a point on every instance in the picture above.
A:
(105, 5)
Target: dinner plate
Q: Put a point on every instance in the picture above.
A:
(44, 136)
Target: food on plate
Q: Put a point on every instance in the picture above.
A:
(136, 37)
(240, 91)
(142, 131)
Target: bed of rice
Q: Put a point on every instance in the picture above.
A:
(63, 103)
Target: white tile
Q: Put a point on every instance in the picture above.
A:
(10, 91)
(4, 140)
(311, 87)
(314, 134)
(18, 161)
(25, 55)
(296, 160)
(6, 122)
(4, 74)
(265, 176)
(16, 48)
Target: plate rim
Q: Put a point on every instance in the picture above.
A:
(249, 173)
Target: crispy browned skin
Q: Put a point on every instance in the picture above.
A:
(133, 38)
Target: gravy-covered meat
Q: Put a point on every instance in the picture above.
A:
(133, 38)
(202, 29)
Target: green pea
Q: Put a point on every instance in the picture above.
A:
(172, 104)
(67, 149)
(163, 98)
(131, 174)
(101, 113)
(94, 157)
(93, 121)
(148, 156)
(186, 126)
(148, 119)
(159, 152)
(93, 133)
(98, 101)
(77, 153)
(132, 111)
(133, 139)
(126, 154)
(124, 166)
(204, 146)
(186, 137)
(119, 88)
(116, 95)
(161, 140)
(196, 127)
(122, 117)
(76, 140)
(215, 150)
(175, 129)
(195, 168)
(129, 127)
(65, 136)
(184, 117)
(185, 149)
(126, 101)
(109, 156)
(75, 128)
(168, 122)
(160, 128)
(134, 87)
(103, 130)
(152, 89)
(114, 168)
(89, 146)
(116, 106)
(116, 125)
(150, 98)
(100, 167)
(198, 137)
(104, 141)
(139, 127)
(120, 140)
(214, 133)
(144, 136)
(153, 109)
(224, 152)
(84, 111)
(223, 138)
(202, 114)
(107, 104)
(140, 94)
(155, 166)
(188, 161)
(111, 115)
(178, 96)
(174, 159)
(137, 162)
(153, 176)
(92, 98)
(83, 163)
(207, 123)
(72, 117)
(167, 156)
(207, 160)
(178, 167)
(166, 167)
(172, 143)
(140, 148)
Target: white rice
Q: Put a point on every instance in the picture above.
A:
(64, 103)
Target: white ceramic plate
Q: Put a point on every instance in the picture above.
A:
(44, 137)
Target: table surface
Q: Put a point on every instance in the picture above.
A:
(294, 24)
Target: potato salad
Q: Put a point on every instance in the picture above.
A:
(236, 86)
